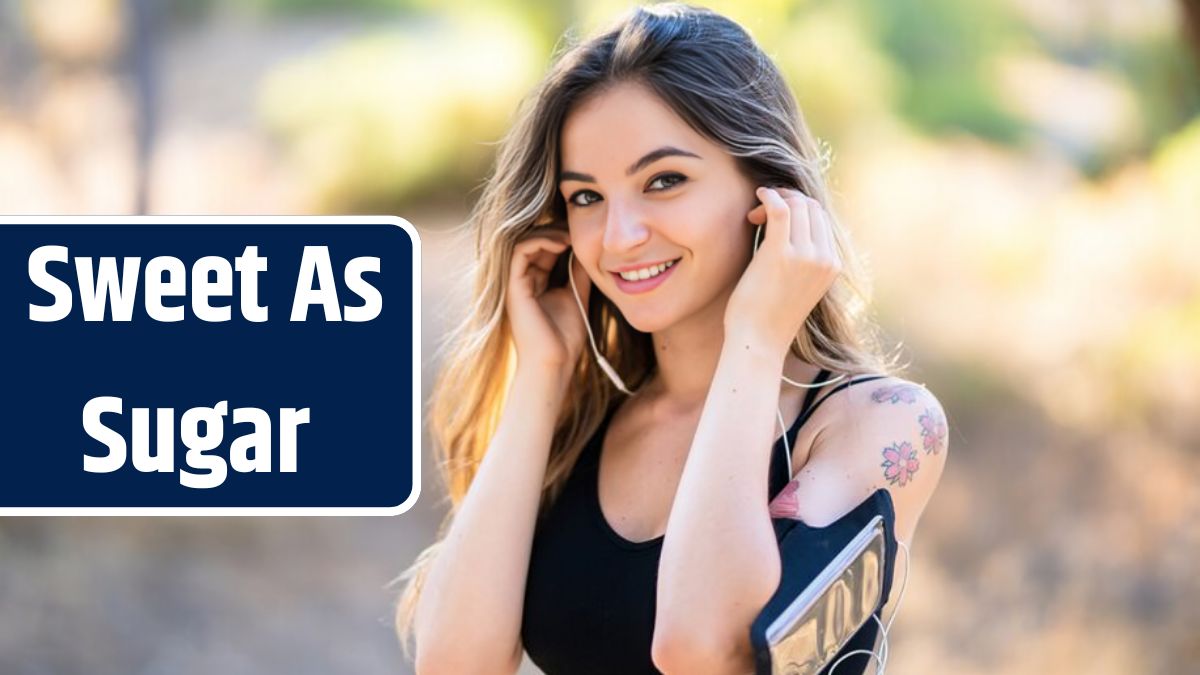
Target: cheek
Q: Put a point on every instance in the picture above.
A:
(720, 234)
(728, 247)
(586, 242)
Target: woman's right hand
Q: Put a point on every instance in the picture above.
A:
(546, 324)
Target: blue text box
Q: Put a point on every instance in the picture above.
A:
(352, 385)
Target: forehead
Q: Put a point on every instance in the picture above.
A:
(620, 124)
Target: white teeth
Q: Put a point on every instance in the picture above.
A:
(646, 272)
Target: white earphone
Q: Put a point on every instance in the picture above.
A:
(620, 384)
(604, 364)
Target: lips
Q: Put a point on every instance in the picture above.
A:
(634, 287)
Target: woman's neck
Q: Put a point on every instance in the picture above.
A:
(687, 355)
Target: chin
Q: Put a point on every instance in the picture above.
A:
(647, 319)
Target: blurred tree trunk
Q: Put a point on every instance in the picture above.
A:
(1191, 20)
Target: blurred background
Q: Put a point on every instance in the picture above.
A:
(1022, 175)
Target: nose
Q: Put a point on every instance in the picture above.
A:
(624, 228)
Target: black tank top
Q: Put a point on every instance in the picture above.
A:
(590, 593)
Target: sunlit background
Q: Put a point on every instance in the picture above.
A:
(1023, 176)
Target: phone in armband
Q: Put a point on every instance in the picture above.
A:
(833, 580)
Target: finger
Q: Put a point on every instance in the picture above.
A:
(539, 252)
(533, 259)
(556, 242)
(802, 223)
(518, 275)
(822, 232)
(779, 218)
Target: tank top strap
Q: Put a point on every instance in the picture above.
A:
(808, 413)
(778, 472)
(810, 395)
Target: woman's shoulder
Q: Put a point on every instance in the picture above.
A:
(887, 432)
(890, 408)
(885, 396)
(876, 399)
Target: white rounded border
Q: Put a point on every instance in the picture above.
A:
(408, 503)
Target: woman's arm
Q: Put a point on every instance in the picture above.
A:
(468, 619)
(886, 434)
(720, 562)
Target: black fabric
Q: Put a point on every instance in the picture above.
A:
(590, 594)
(805, 551)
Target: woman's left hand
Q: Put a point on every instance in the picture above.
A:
(794, 267)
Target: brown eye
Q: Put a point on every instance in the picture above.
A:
(584, 198)
(666, 181)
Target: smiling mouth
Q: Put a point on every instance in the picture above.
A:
(648, 272)
(644, 279)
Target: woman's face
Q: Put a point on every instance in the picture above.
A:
(644, 190)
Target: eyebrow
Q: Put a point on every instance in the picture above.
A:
(646, 160)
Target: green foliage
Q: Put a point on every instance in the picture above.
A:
(1165, 76)
(838, 73)
(1154, 62)
(943, 47)
(380, 118)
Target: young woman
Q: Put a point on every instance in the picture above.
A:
(613, 532)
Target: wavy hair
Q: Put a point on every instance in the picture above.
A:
(711, 73)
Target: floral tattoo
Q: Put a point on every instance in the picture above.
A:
(933, 430)
(900, 463)
(895, 393)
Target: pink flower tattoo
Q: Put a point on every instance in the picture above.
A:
(900, 463)
(933, 430)
(786, 504)
(895, 393)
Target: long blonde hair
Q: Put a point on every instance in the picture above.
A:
(712, 74)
